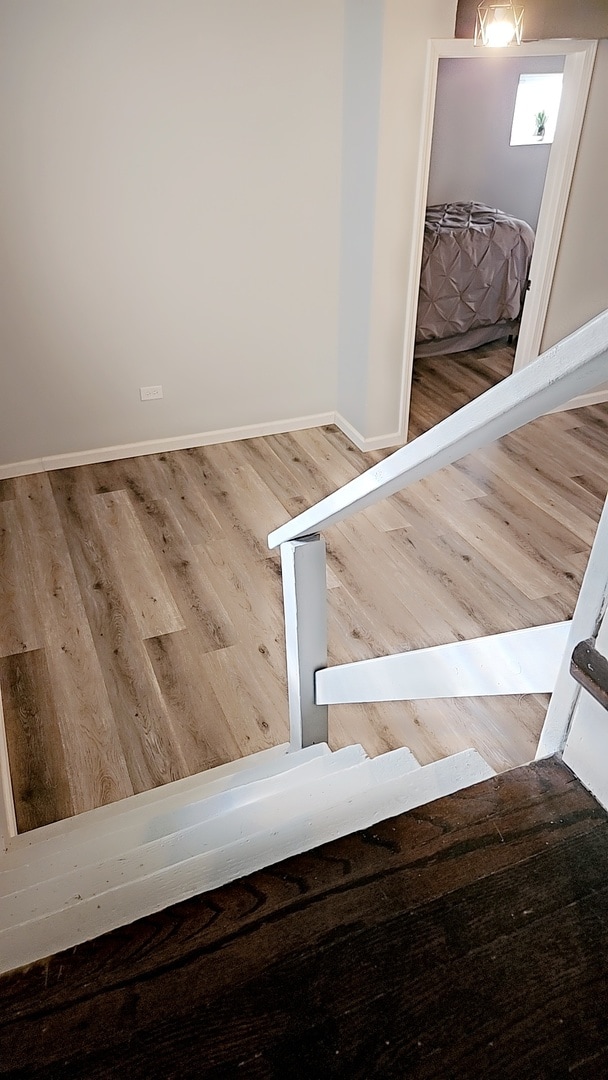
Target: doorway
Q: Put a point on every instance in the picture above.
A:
(578, 65)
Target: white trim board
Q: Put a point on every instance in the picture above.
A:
(588, 616)
(159, 446)
(578, 68)
(186, 442)
(379, 442)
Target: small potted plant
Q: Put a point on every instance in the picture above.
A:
(540, 121)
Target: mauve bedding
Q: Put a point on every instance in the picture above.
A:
(475, 266)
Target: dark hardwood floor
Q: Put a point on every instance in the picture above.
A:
(465, 939)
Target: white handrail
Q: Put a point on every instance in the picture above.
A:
(574, 366)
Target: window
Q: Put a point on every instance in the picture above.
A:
(536, 108)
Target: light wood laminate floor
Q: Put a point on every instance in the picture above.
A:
(141, 635)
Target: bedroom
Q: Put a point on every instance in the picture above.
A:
(483, 202)
(496, 200)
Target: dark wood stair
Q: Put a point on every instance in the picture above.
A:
(467, 938)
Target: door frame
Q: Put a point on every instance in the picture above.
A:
(578, 69)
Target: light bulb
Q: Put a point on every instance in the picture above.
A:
(500, 31)
(498, 25)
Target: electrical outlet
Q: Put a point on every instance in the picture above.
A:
(150, 393)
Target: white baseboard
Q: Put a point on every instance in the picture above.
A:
(159, 446)
(185, 442)
(380, 442)
(21, 468)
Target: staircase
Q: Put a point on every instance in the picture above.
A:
(109, 866)
(67, 882)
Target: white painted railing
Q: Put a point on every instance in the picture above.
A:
(575, 366)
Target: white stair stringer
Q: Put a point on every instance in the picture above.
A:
(84, 902)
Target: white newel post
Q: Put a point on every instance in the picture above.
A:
(305, 603)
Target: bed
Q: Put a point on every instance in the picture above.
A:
(475, 265)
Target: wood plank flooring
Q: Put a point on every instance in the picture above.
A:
(465, 939)
(141, 634)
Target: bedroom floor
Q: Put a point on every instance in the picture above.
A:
(141, 633)
(443, 384)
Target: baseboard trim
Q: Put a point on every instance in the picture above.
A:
(21, 468)
(159, 446)
(186, 442)
(380, 442)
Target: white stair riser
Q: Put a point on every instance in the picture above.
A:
(268, 814)
(51, 932)
(137, 831)
(220, 778)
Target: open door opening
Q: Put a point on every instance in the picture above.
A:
(485, 189)
(576, 58)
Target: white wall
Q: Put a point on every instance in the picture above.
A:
(363, 31)
(175, 208)
(580, 284)
(373, 397)
(169, 212)
(471, 157)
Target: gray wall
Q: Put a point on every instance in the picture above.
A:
(175, 208)
(214, 195)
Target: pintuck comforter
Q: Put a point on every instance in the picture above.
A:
(475, 266)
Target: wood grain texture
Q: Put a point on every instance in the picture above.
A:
(7, 490)
(195, 595)
(135, 567)
(19, 631)
(466, 938)
(149, 588)
(95, 766)
(201, 729)
(33, 734)
(150, 753)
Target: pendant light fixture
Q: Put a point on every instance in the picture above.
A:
(498, 25)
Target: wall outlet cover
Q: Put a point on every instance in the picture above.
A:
(150, 393)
